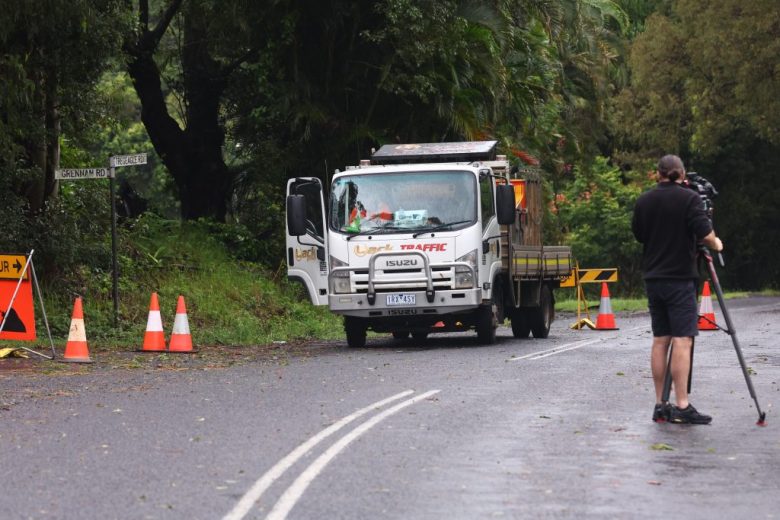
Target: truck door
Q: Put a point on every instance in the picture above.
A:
(307, 255)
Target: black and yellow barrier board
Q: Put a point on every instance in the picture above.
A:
(608, 275)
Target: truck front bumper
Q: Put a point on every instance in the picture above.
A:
(444, 302)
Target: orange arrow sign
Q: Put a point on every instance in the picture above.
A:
(11, 267)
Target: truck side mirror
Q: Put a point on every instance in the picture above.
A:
(505, 204)
(296, 215)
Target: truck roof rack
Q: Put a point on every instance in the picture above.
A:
(466, 151)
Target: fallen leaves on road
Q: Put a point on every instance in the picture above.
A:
(660, 446)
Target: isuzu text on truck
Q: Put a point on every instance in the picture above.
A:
(426, 238)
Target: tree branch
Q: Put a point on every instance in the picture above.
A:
(156, 34)
(143, 14)
(147, 41)
(228, 69)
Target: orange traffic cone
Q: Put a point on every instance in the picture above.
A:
(154, 338)
(76, 350)
(606, 319)
(706, 313)
(181, 340)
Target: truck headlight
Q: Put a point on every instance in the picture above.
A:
(339, 280)
(465, 277)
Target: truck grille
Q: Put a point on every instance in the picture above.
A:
(394, 280)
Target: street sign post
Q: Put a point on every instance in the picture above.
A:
(115, 161)
(118, 161)
(68, 174)
(128, 160)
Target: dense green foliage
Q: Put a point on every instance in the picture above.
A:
(704, 85)
(593, 211)
(230, 98)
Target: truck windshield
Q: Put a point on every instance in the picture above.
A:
(403, 202)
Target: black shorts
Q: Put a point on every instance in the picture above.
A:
(672, 306)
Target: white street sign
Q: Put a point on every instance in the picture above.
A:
(128, 160)
(82, 173)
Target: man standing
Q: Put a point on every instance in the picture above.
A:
(670, 222)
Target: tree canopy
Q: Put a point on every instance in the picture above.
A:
(704, 82)
(231, 97)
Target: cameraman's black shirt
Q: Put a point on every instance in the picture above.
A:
(669, 221)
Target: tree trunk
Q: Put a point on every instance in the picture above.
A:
(36, 145)
(208, 182)
(53, 127)
(192, 155)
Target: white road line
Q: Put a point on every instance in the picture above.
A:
(597, 340)
(263, 483)
(297, 488)
(569, 346)
(554, 349)
(585, 344)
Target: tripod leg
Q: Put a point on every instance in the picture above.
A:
(690, 370)
(667, 377)
(733, 333)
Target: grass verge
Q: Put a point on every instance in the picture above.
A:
(230, 303)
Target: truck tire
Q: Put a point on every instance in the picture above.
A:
(400, 334)
(487, 323)
(520, 326)
(420, 336)
(356, 332)
(542, 317)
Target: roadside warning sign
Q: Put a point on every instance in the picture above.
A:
(608, 275)
(11, 266)
(20, 319)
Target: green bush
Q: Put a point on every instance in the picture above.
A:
(596, 211)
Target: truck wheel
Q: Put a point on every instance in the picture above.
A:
(400, 334)
(487, 323)
(420, 336)
(520, 326)
(356, 332)
(542, 316)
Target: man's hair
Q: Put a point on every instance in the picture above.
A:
(671, 167)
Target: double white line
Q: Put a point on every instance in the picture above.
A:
(297, 488)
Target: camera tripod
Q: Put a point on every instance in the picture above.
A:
(705, 257)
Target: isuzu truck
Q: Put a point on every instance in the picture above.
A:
(426, 238)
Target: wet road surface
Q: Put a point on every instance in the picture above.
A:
(556, 428)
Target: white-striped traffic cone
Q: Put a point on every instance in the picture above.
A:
(76, 350)
(606, 318)
(154, 338)
(181, 339)
(706, 312)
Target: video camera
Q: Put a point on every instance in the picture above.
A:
(704, 188)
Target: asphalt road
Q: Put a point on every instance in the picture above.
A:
(555, 428)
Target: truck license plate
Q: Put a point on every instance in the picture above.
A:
(401, 299)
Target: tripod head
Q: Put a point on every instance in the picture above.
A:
(704, 188)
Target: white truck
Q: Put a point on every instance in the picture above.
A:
(424, 238)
